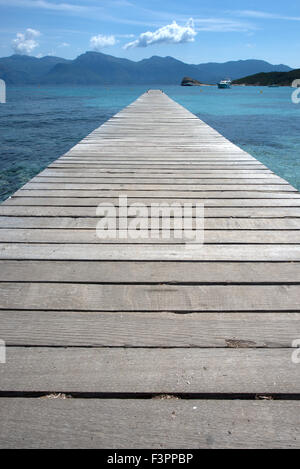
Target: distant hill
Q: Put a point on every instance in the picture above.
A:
(97, 68)
(102, 69)
(267, 79)
(24, 69)
(215, 72)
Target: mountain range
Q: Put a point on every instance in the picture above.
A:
(95, 68)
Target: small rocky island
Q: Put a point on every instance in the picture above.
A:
(187, 81)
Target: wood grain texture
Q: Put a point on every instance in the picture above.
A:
(90, 297)
(229, 223)
(161, 194)
(145, 329)
(91, 237)
(94, 423)
(144, 252)
(147, 370)
(94, 202)
(222, 186)
(210, 212)
(150, 272)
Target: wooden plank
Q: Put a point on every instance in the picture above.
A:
(228, 223)
(94, 202)
(156, 423)
(91, 237)
(84, 158)
(140, 329)
(270, 179)
(240, 194)
(147, 370)
(262, 252)
(158, 173)
(199, 166)
(213, 212)
(171, 187)
(97, 297)
(150, 272)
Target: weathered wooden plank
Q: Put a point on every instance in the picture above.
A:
(229, 223)
(213, 212)
(171, 187)
(147, 370)
(166, 195)
(97, 297)
(140, 329)
(163, 181)
(122, 173)
(262, 252)
(85, 158)
(199, 166)
(91, 237)
(150, 272)
(94, 202)
(156, 423)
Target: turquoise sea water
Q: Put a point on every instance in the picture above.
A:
(38, 124)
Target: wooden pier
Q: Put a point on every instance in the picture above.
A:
(124, 344)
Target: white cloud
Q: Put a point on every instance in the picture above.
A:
(26, 42)
(64, 44)
(170, 34)
(100, 41)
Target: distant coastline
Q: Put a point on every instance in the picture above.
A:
(269, 79)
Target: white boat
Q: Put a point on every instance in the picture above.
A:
(224, 84)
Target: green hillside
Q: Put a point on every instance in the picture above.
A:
(272, 78)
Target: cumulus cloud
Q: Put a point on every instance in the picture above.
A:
(100, 41)
(170, 34)
(26, 42)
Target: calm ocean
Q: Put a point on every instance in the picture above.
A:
(39, 124)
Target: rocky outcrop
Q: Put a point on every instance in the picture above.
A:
(187, 81)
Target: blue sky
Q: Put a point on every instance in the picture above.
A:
(203, 31)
